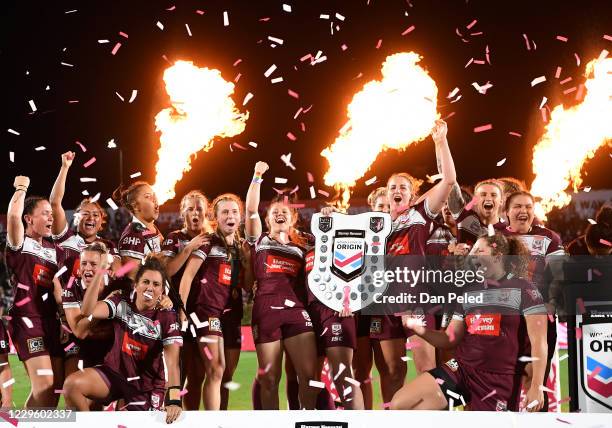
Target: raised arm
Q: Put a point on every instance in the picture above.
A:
(192, 267)
(253, 222)
(15, 231)
(91, 306)
(455, 199)
(57, 194)
(438, 195)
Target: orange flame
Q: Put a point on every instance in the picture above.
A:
(572, 136)
(391, 113)
(202, 109)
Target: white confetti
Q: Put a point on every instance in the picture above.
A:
(270, 70)
(225, 19)
(120, 97)
(32, 105)
(66, 64)
(40, 148)
(286, 7)
(60, 272)
(453, 93)
(12, 131)
(340, 17)
(340, 370)
(8, 383)
(136, 174)
(188, 29)
(280, 180)
(501, 162)
(544, 99)
(275, 40)
(324, 16)
(85, 192)
(12, 156)
(289, 303)
(590, 220)
(277, 80)
(133, 97)
(526, 359)
(231, 386)
(247, 98)
(160, 25)
(370, 181)
(44, 372)
(96, 197)
(27, 322)
(45, 297)
(129, 379)
(316, 384)
(313, 194)
(538, 80)
(253, 144)
(532, 404)
(587, 189)
(111, 144)
(112, 204)
(102, 41)
(87, 180)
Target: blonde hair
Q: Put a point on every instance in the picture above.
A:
(415, 183)
(375, 194)
(213, 207)
(294, 234)
(197, 195)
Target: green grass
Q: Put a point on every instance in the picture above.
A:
(247, 367)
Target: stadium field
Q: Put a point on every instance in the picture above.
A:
(241, 398)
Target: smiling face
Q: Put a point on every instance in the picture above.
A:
(90, 220)
(39, 222)
(228, 217)
(88, 265)
(149, 288)
(483, 258)
(399, 193)
(194, 214)
(280, 218)
(381, 204)
(520, 213)
(145, 204)
(488, 200)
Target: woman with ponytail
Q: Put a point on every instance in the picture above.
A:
(489, 329)
(141, 237)
(279, 320)
(214, 276)
(176, 249)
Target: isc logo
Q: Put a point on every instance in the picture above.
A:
(131, 240)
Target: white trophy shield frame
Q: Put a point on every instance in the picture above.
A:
(349, 250)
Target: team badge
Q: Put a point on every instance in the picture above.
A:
(375, 326)
(501, 406)
(336, 329)
(377, 224)
(306, 315)
(452, 364)
(325, 224)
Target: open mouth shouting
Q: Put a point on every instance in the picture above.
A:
(88, 275)
(488, 206)
(523, 217)
(280, 220)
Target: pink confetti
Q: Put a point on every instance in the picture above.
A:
(81, 146)
(70, 346)
(604, 242)
(122, 34)
(577, 59)
(408, 30)
(439, 381)
(344, 47)
(544, 115)
(606, 37)
(293, 94)
(125, 268)
(569, 91)
(562, 38)
(471, 24)
(23, 287)
(171, 8)
(239, 146)
(515, 134)
(479, 61)
(483, 128)
(66, 329)
(580, 92)
(59, 391)
(89, 162)
(386, 405)
(116, 48)
(309, 177)
(23, 301)
(564, 400)
(412, 345)
(564, 81)
(208, 353)
(379, 44)
(470, 204)
(487, 55)
(323, 192)
(200, 12)
(578, 333)
(70, 281)
(558, 73)
(527, 42)
(490, 394)
(291, 136)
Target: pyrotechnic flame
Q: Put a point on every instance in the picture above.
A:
(391, 113)
(572, 136)
(202, 109)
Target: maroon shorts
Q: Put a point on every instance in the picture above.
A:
(363, 325)
(211, 320)
(134, 399)
(93, 351)
(332, 330)
(42, 338)
(231, 327)
(4, 340)
(386, 327)
(475, 384)
(271, 325)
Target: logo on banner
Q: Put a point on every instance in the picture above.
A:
(377, 224)
(325, 224)
(596, 367)
(349, 254)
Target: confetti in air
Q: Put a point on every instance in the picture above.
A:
(202, 109)
(572, 136)
(391, 113)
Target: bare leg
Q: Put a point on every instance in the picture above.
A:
(350, 394)
(194, 375)
(270, 357)
(424, 355)
(82, 387)
(41, 385)
(362, 364)
(302, 350)
(232, 355)
(214, 366)
(423, 393)
(388, 358)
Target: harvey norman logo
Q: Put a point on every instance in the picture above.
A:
(321, 425)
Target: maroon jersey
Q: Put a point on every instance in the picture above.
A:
(211, 285)
(139, 341)
(578, 247)
(439, 240)
(72, 243)
(137, 241)
(31, 267)
(174, 243)
(279, 270)
(495, 330)
(541, 243)
(410, 231)
(470, 227)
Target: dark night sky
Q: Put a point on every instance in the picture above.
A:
(37, 36)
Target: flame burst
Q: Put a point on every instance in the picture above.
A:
(391, 113)
(202, 109)
(571, 137)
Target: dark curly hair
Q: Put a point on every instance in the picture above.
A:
(510, 246)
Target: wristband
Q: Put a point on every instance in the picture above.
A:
(173, 403)
(22, 188)
(257, 179)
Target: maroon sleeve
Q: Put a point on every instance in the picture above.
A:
(532, 302)
(170, 329)
(64, 235)
(556, 246)
(114, 303)
(204, 250)
(132, 244)
(170, 245)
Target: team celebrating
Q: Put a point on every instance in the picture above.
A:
(154, 323)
